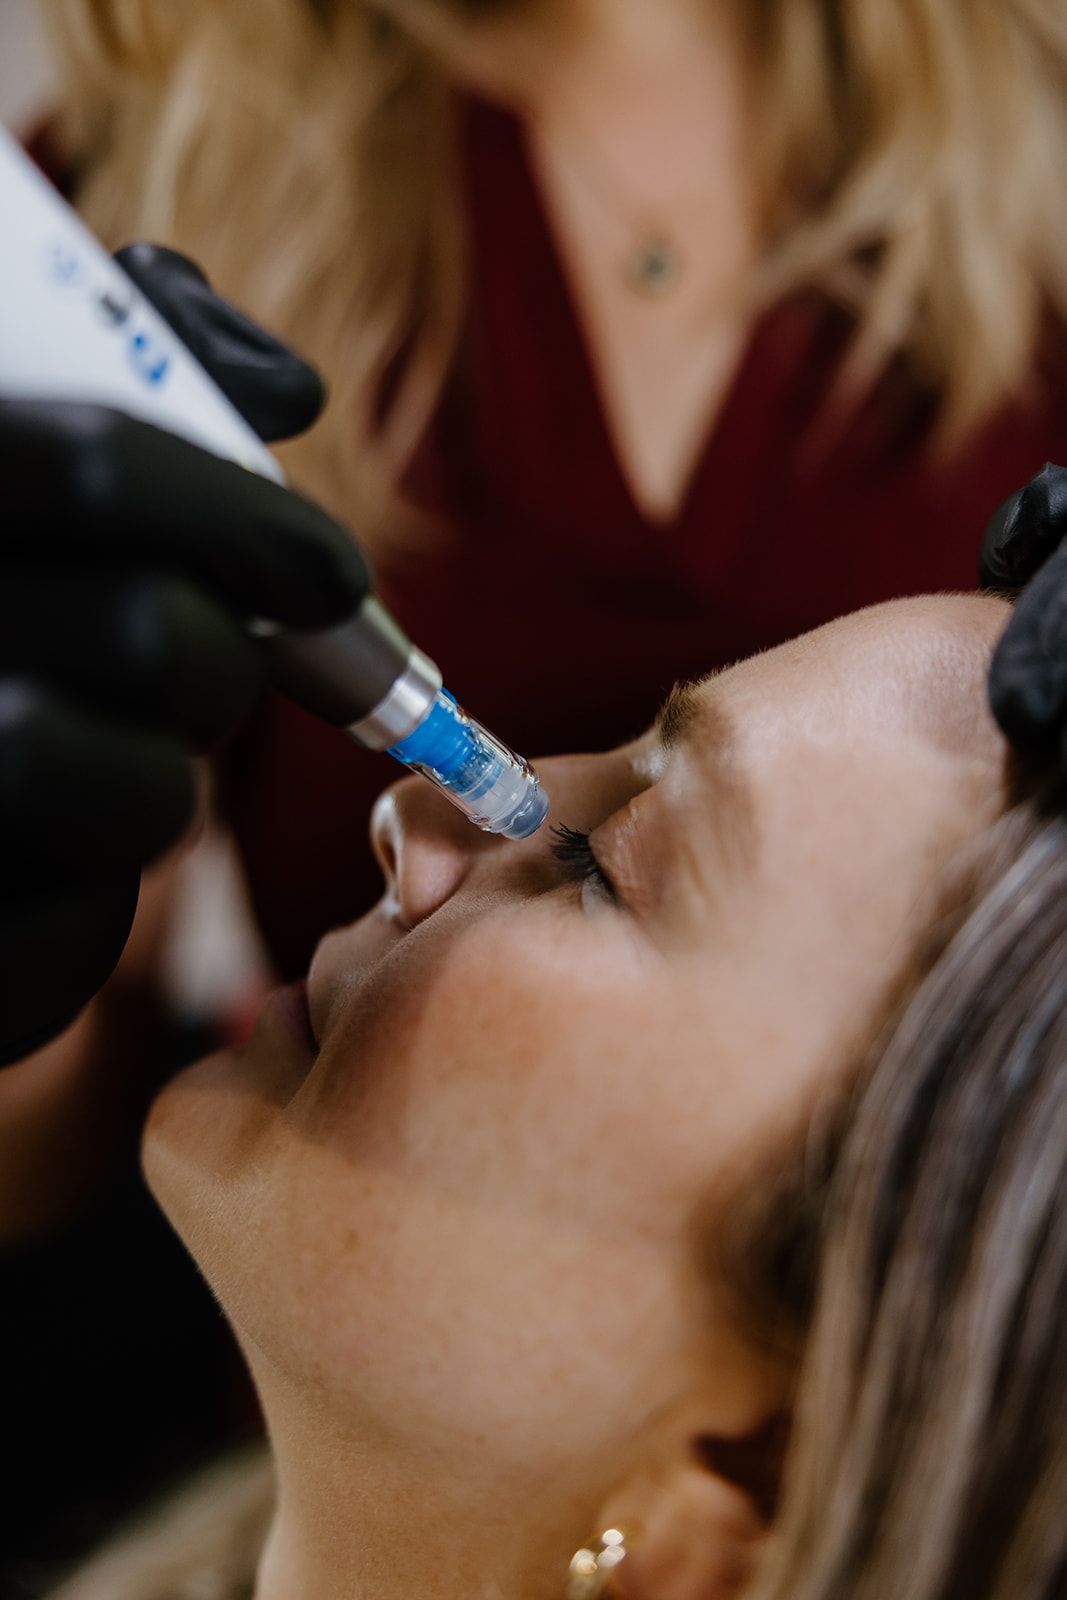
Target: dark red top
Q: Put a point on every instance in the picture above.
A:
(558, 613)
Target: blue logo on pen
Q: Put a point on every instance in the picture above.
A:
(113, 311)
(64, 267)
(115, 303)
(149, 361)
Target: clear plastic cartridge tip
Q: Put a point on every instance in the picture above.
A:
(488, 782)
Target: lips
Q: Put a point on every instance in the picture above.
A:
(300, 1001)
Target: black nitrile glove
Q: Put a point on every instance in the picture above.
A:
(129, 560)
(1024, 545)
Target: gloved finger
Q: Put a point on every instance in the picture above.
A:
(273, 388)
(145, 648)
(82, 797)
(96, 486)
(56, 952)
(1028, 675)
(1024, 531)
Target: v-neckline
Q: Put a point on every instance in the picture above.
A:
(714, 440)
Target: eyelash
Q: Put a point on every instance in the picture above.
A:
(575, 854)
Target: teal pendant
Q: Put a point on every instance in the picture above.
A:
(654, 268)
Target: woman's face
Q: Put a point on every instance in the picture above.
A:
(478, 1217)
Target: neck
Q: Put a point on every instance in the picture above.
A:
(647, 102)
(633, 30)
(357, 1519)
(521, 59)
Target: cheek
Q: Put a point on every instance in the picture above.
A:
(435, 1321)
(470, 1221)
(529, 1057)
(494, 1058)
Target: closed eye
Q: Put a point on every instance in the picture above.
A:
(574, 851)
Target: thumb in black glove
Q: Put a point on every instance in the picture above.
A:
(276, 392)
(1023, 545)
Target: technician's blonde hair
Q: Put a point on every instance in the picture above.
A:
(909, 158)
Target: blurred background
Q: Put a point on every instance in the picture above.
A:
(25, 70)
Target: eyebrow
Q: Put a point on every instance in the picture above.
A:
(678, 714)
(685, 712)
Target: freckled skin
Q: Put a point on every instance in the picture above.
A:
(458, 1246)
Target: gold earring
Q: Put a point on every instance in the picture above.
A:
(592, 1565)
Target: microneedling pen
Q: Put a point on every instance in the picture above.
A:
(60, 339)
(367, 677)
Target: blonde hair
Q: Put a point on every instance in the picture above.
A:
(908, 155)
(930, 1431)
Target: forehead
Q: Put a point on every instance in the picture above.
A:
(822, 770)
(911, 669)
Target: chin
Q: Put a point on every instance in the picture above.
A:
(199, 1158)
(192, 1133)
(206, 1116)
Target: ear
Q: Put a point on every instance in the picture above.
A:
(697, 1525)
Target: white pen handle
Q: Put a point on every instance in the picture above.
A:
(73, 326)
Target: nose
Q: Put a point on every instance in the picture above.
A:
(425, 848)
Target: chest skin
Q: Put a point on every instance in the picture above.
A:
(619, 157)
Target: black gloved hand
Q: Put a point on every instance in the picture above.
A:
(128, 561)
(1024, 545)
